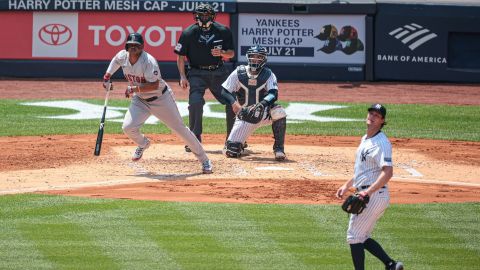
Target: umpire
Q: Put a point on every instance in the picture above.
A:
(205, 43)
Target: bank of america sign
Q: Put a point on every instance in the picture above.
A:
(413, 35)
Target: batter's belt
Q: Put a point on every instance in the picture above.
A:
(150, 99)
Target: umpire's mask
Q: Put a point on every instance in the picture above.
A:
(204, 15)
(257, 58)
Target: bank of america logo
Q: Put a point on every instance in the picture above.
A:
(413, 34)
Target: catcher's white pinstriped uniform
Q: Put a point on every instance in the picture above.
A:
(372, 155)
(253, 90)
(159, 102)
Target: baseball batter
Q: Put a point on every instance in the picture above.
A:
(249, 85)
(373, 169)
(150, 95)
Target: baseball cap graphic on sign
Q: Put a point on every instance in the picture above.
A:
(378, 108)
(134, 38)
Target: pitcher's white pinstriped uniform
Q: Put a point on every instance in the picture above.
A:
(242, 130)
(372, 155)
(146, 69)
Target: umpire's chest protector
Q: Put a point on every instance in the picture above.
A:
(252, 88)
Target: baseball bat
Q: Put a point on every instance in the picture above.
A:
(98, 145)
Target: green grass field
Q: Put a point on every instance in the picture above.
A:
(404, 121)
(53, 232)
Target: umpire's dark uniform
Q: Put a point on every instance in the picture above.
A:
(204, 70)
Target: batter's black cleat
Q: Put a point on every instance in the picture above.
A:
(187, 149)
(394, 266)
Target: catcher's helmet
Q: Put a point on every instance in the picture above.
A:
(134, 38)
(204, 15)
(256, 57)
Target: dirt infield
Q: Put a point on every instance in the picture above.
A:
(426, 170)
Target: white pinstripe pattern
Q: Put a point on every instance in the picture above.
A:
(372, 155)
(361, 226)
(233, 84)
(242, 130)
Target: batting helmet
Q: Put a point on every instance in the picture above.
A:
(204, 15)
(256, 57)
(134, 38)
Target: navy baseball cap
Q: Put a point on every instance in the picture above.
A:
(378, 108)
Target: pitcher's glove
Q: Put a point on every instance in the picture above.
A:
(253, 113)
(355, 203)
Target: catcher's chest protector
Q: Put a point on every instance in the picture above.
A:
(252, 89)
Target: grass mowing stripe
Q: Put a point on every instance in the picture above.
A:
(209, 236)
(122, 240)
(18, 252)
(461, 224)
(61, 240)
(329, 236)
(189, 245)
(431, 246)
(238, 233)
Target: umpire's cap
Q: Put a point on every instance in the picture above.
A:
(378, 108)
(134, 38)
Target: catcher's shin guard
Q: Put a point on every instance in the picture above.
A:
(279, 129)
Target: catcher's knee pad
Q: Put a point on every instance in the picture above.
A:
(234, 149)
(277, 112)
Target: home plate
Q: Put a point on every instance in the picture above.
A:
(273, 168)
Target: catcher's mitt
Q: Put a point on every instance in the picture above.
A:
(253, 113)
(355, 204)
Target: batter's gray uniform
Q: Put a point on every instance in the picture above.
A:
(159, 102)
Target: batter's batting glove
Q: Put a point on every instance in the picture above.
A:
(107, 83)
(130, 90)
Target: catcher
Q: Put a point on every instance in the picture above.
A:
(373, 169)
(252, 91)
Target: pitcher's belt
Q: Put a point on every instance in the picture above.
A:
(365, 187)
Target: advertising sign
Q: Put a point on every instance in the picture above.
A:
(112, 5)
(409, 48)
(55, 35)
(91, 35)
(338, 39)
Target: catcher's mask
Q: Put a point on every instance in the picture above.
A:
(204, 15)
(134, 39)
(257, 58)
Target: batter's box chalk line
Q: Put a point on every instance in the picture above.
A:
(273, 168)
(312, 169)
(239, 171)
(409, 169)
(138, 169)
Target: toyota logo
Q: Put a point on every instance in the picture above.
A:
(55, 34)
